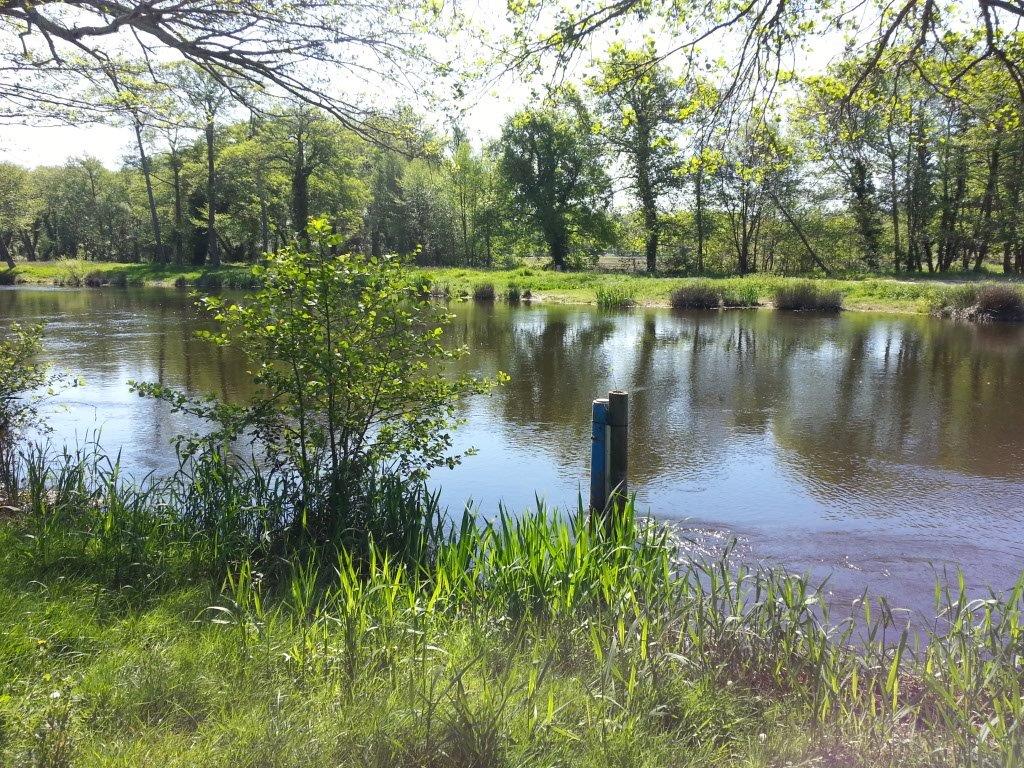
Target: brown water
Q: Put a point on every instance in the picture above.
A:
(875, 449)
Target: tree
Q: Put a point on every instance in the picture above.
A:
(51, 49)
(345, 352)
(641, 107)
(766, 35)
(13, 183)
(206, 96)
(551, 160)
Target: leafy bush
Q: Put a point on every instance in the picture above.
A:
(807, 297)
(695, 296)
(20, 372)
(513, 293)
(346, 354)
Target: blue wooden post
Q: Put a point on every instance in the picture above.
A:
(599, 457)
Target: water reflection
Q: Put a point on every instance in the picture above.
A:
(864, 446)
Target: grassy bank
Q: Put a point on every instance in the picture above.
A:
(159, 627)
(917, 295)
(76, 273)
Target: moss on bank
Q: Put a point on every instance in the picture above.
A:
(904, 294)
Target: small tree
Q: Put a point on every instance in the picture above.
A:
(642, 107)
(20, 372)
(346, 353)
(550, 158)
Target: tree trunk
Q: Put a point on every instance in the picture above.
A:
(652, 225)
(212, 246)
(699, 213)
(983, 233)
(5, 250)
(154, 218)
(897, 255)
(558, 245)
(300, 192)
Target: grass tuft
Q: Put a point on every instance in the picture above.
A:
(616, 296)
(484, 292)
(808, 297)
(172, 624)
(700, 295)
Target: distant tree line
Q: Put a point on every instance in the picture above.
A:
(884, 168)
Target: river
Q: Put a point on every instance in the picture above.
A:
(871, 449)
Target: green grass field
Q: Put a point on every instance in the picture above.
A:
(917, 295)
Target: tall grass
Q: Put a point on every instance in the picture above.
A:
(615, 296)
(700, 295)
(179, 627)
(484, 292)
(808, 297)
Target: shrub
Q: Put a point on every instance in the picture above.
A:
(615, 297)
(346, 354)
(999, 302)
(957, 299)
(8, 277)
(695, 296)
(20, 372)
(210, 282)
(807, 297)
(484, 292)
(513, 294)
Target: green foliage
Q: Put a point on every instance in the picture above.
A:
(640, 108)
(345, 351)
(551, 161)
(20, 373)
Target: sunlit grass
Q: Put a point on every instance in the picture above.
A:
(918, 294)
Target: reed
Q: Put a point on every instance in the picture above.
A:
(1002, 303)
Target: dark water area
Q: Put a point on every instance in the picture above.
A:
(872, 449)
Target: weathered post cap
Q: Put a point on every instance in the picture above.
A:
(618, 408)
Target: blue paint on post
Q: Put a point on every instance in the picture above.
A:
(599, 457)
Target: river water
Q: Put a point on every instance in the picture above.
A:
(871, 449)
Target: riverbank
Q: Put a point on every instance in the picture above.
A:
(136, 635)
(906, 294)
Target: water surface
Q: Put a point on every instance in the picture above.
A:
(873, 449)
